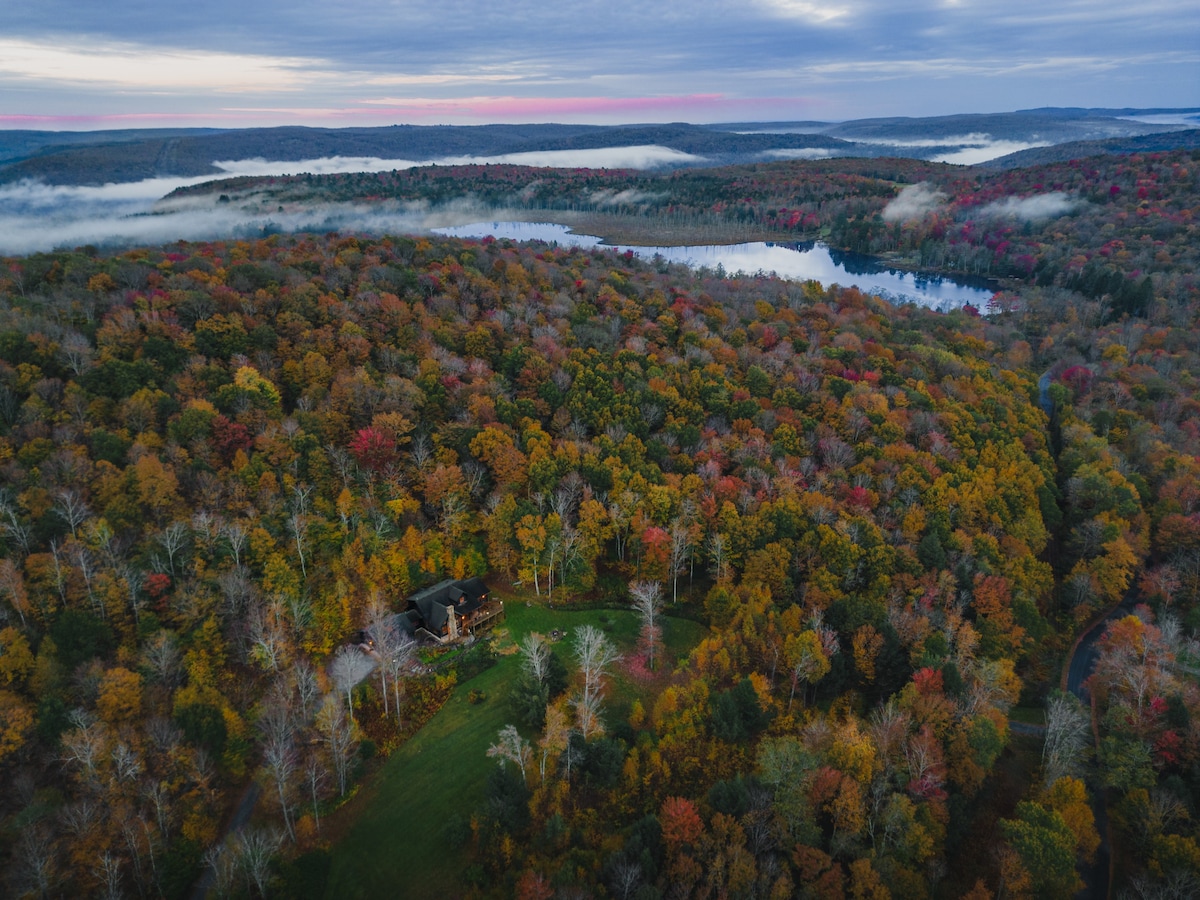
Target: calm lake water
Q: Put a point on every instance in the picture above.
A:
(796, 261)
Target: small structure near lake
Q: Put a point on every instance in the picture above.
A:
(451, 610)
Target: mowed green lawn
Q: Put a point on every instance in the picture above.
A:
(395, 846)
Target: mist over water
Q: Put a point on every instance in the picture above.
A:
(972, 156)
(36, 217)
(801, 261)
(644, 156)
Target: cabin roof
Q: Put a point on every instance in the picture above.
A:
(434, 603)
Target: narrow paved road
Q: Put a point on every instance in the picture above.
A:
(1079, 669)
(1044, 393)
(240, 816)
(1083, 663)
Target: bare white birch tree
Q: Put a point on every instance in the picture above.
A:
(681, 549)
(718, 557)
(535, 656)
(1068, 732)
(235, 536)
(304, 677)
(253, 849)
(84, 744)
(173, 539)
(297, 524)
(70, 506)
(396, 657)
(340, 737)
(11, 524)
(276, 719)
(162, 658)
(594, 654)
(648, 603)
(380, 630)
(35, 858)
(588, 721)
(315, 778)
(279, 762)
(350, 666)
(107, 873)
(392, 648)
(268, 640)
(512, 747)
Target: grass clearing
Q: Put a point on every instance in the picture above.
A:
(395, 845)
(1029, 715)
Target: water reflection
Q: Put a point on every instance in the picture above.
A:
(799, 260)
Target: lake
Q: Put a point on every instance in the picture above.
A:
(798, 261)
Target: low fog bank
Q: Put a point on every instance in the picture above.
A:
(1190, 119)
(648, 156)
(962, 150)
(205, 219)
(37, 217)
(914, 202)
(797, 153)
(980, 153)
(1032, 209)
(919, 200)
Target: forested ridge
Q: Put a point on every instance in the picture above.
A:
(219, 461)
(1121, 228)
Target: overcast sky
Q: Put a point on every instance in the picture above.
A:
(135, 63)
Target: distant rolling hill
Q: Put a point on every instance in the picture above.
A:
(1187, 139)
(193, 155)
(927, 138)
(1029, 127)
(96, 158)
(18, 145)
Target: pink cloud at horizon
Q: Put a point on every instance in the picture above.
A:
(491, 109)
(553, 105)
(464, 110)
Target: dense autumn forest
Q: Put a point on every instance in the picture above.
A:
(222, 462)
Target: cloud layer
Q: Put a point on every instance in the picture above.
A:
(378, 61)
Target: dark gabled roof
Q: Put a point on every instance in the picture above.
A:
(427, 595)
(434, 603)
(431, 604)
(474, 588)
(436, 617)
(408, 622)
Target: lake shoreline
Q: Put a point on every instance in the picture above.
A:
(795, 260)
(622, 231)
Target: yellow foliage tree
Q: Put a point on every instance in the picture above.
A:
(120, 697)
(1068, 797)
(16, 721)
